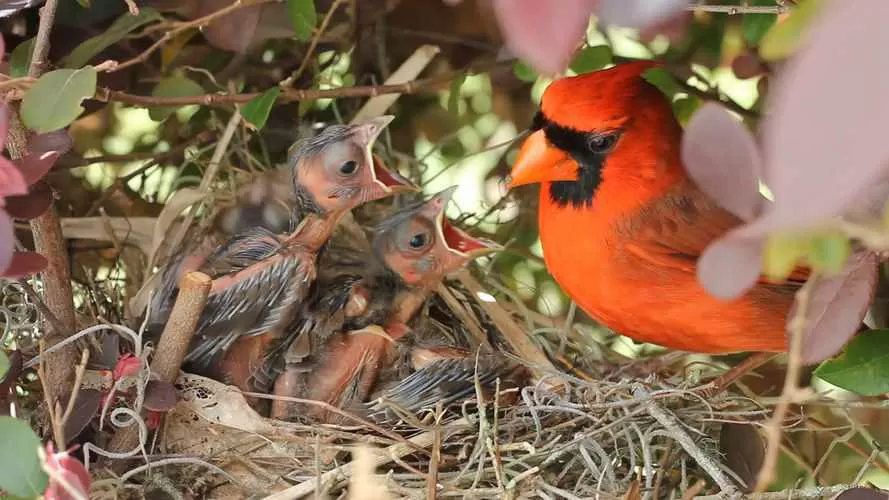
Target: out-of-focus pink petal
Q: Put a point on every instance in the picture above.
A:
(34, 166)
(127, 366)
(638, 13)
(721, 157)
(837, 306)
(71, 470)
(730, 266)
(825, 139)
(11, 180)
(59, 141)
(544, 34)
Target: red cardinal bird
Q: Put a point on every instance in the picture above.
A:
(417, 247)
(622, 225)
(260, 278)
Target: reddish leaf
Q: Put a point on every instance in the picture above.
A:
(743, 449)
(34, 166)
(837, 306)
(85, 408)
(127, 366)
(160, 396)
(153, 419)
(233, 32)
(830, 152)
(862, 493)
(730, 265)
(59, 141)
(723, 160)
(544, 34)
(24, 264)
(30, 205)
(71, 470)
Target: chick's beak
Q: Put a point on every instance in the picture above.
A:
(538, 161)
(456, 240)
(389, 181)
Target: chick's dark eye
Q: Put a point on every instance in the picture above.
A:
(349, 167)
(418, 240)
(601, 143)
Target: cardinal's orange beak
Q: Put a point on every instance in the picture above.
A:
(539, 161)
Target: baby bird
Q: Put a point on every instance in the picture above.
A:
(260, 277)
(417, 246)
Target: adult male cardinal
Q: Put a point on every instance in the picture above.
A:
(622, 226)
(414, 248)
(259, 277)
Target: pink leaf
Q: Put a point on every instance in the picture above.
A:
(7, 235)
(160, 396)
(823, 150)
(723, 160)
(638, 13)
(11, 180)
(31, 205)
(730, 266)
(59, 141)
(71, 470)
(24, 264)
(544, 33)
(127, 366)
(34, 166)
(837, 306)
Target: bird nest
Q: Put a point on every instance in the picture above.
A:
(585, 423)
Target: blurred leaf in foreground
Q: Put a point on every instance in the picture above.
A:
(20, 470)
(177, 85)
(591, 59)
(785, 37)
(863, 367)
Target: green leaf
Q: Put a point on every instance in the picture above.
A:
(53, 102)
(754, 26)
(591, 59)
(781, 253)
(783, 38)
(84, 3)
(256, 111)
(20, 471)
(4, 364)
(685, 107)
(20, 58)
(177, 85)
(660, 78)
(863, 366)
(115, 33)
(524, 72)
(303, 17)
(454, 96)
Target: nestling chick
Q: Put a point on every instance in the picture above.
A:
(259, 277)
(419, 246)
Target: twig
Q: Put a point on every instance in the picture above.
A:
(791, 392)
(315, 39)
(76, 162)
(173, 344)
(41, 46)
(344, 471)
(672, 425)
(733, 10)
(290, 95)
(791, 494)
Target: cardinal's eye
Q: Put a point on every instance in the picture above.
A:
(601, 143)
(418, 241)
(349, 167)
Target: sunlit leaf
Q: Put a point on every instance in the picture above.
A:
(53, 102)
(124, 25)
(177, 85)
(782, 253)
(454, 94)
(4, 364)
(303, 17)
(784, 38)
(591, 59)
(20, 58)
(754, 26)
(663, 80)
(685, 107)
(20, 470)
(256, 111)
(863, 367)
(524, 72)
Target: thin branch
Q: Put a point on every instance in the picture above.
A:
(76, 162)
(733, 10)
(315, 39)
(41, 46)
(291, 95)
